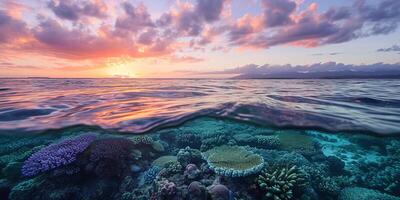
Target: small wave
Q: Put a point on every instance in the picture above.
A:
(4, 89)
(22, 114)
(160, 94)
(367, 101)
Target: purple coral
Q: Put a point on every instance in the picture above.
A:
(220, 192)
(191, 171)
(56, 155)
(167, 188)
(111, 148)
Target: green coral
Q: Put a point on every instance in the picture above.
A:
(295, 141)
(259, 141)
(163, 161)
(233, 161)
(280, 182)
(142, 139)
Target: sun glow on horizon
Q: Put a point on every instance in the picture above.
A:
(121, 68)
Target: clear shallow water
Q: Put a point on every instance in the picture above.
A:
(138, 105)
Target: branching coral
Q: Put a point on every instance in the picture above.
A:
(233, 161)
(56, 155)
(279, 183)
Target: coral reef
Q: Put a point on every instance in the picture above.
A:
(220, 192)
(197, 191)
(233, 161)
(188, 140)
(188, 155)
(357, 193)
(210, 156)
(298, 142)
(260, 141)
(56, 155)
(113, 148)
(192, 172)
(149, 175)
(163, 161)
(281, 182)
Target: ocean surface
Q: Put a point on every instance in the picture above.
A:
(199, 139)
(140, 105)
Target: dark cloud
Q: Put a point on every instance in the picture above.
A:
(190, 22)
(394, 48)
(210, 10)
(11, 28)
(74, 10)
(136, 18)
(277, 12)
(335, 14)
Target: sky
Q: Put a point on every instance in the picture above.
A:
(185, 39)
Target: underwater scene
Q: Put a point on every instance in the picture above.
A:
(225, 140)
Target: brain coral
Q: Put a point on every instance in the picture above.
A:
(233, 161)
(56, 155)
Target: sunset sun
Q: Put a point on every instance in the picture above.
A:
(121, 68)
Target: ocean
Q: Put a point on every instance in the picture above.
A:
(199, 139)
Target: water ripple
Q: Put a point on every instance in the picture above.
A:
(140, 105)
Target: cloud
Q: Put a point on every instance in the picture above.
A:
(253, 69)
(77, 43)
(74, 10)
(11, 29)
(277, 12)
(284, 24)
(327, 54)
(135, 19)
(186, 59)
(394, 48)
(210, 10)
(129, 29)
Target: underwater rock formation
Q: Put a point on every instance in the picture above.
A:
(279, 183)
(56, 155)
(357, 193)
(197, 191)
(233, 161)
(220, 192)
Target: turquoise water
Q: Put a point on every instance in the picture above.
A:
(199, 139)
